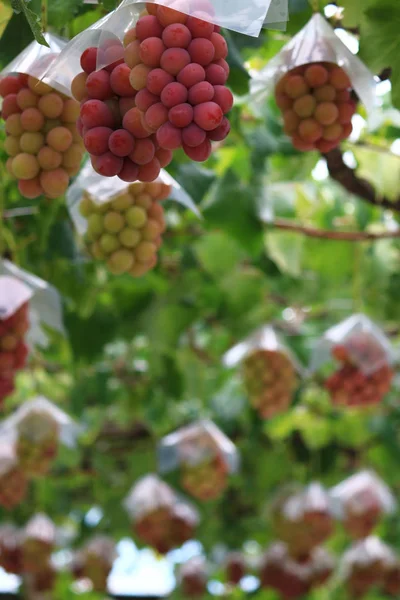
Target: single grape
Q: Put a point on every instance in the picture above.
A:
(148, 27)
(70, 111)
(95, 113)
(223, 97)
(51, 105)
(31, 142)
(168, 16)
(98, 85)
(143, 152)
(49, 158)
(13, 125)
(151, 50)
(145, 99)
(11, 145)
(39, 87)
(176, 36)
(157, 79)
(191, 74)
(193, 135)
(316, 76)
(291, 121)
(122, 202)
(72, 157)
(151, 230)
(149, 172)
(199, 153)
(25, 166)
(222, 63)
(27, 99)
(129, 237)
(138, 77)
(305, 106)
(326, 113)
(302, 145)
(346, 111)
(199, 28)
(144, 251)
(121, 142)
(129, 171)
(208, 115)
(333, 132)
(221, 132)
(201, 51)
(30, 188)
(120, 82)
(174, 60)
(343, 96)
(130, 36)
(144, 200)
(113, 55)
(113, 222)
(107, 164)
(339, 79)
(220, 46)
(10, 106)
(54, 183)
(347, 130)
(216, 74)
(59, 138)
(78, 86)
(164, 157)
(132, 54)
(310, 130)
(295, 86)
(32, 119)
(181, 115)
(133, 122)
(9, 85)
(173, 94)
(169, 136)
(96, 140)
(324, 146)
(156, 116)
(151, 8)
(88, 60)
(326, 93)
(201, 92)
(120, 261)
(136, 217)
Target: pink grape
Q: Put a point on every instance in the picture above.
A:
(9, 85)
(157, 79)
(181, 115)
(98, 85)
(164, 157)
(221, 132)
(95, 113)
(173, 94)
(121, 143)
(220, 46)
(201, 51)
(199, 153)
(151, 50)
(169, 136)
(222, 63)
(96, 140)
(134, 123)
(148, 26)
(143, 152)
(149, 172)
(199, 28)
(129, 171)
(201, 92)
(216, 75)
(156, 116)
(113, 55)
(174, 60)
(88, 60)
(144, 99)
(208, 115)
(119, 81)
(193, 135)
(32, 119)
(107, 164)
(10, 106)
(138, 76)
(191, 74)
(176, 35)
(223, 97)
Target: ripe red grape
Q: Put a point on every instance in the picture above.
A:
(199, 153)
(95, 113)
(121, 142)
(151, 51)
(181, 115)
(201, 92)
(156, 116)
(119, 81)
(173, 94)
(193, 135)
(88, 60)
(107, 164)
(176, 35)
(169, 136)
(144, 99)
(208, 115)
(191, 74)
(174, 60)
(201, 51)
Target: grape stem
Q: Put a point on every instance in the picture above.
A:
(340, 236)
(44, 14)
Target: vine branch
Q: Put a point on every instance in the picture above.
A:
(344, 236)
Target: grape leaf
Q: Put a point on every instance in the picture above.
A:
(21, 6)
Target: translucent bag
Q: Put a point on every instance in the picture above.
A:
(123, 223)
(11, 549)
(270, 370)
(302, 518)
(205, 455)
(315, 43)
(365, 565)
(193, 576)
(13, 483)
(38, 427)
(38, 544)
(360, 501)
(159, 517)
(45, 308)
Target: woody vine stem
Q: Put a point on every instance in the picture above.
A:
(44, 15)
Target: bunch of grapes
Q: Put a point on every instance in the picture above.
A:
(362, 513)
(13, 487)
(350, 386)
(13, 349)
(166, 528)
(207, 479)
(317, 106)
(38, 544)
(365, 570)
(42, 581)
(37, 442)
(193, 578)
(235, 567)
(95, 562)
(43, 144)
(270, 380)
(110, 123)
(391, 585)
(11, 549)
(179, 71)
(126, 232)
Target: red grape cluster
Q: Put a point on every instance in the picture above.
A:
(350, 386)
(367, 567)
(317, 106)
(362, 512)
(166, 528)
(13, 487)
(95, 562)
(11, 549)
(38, 544)
(42, 142)
(193, 578)
(126, 232)
(179, 71)
(37, 442)
(235, 567)
(206, 480)
(110, 123)
(13, 349)
(270, 380)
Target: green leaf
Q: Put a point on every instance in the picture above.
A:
(285, 249)
(218, 253)
(21, 6)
